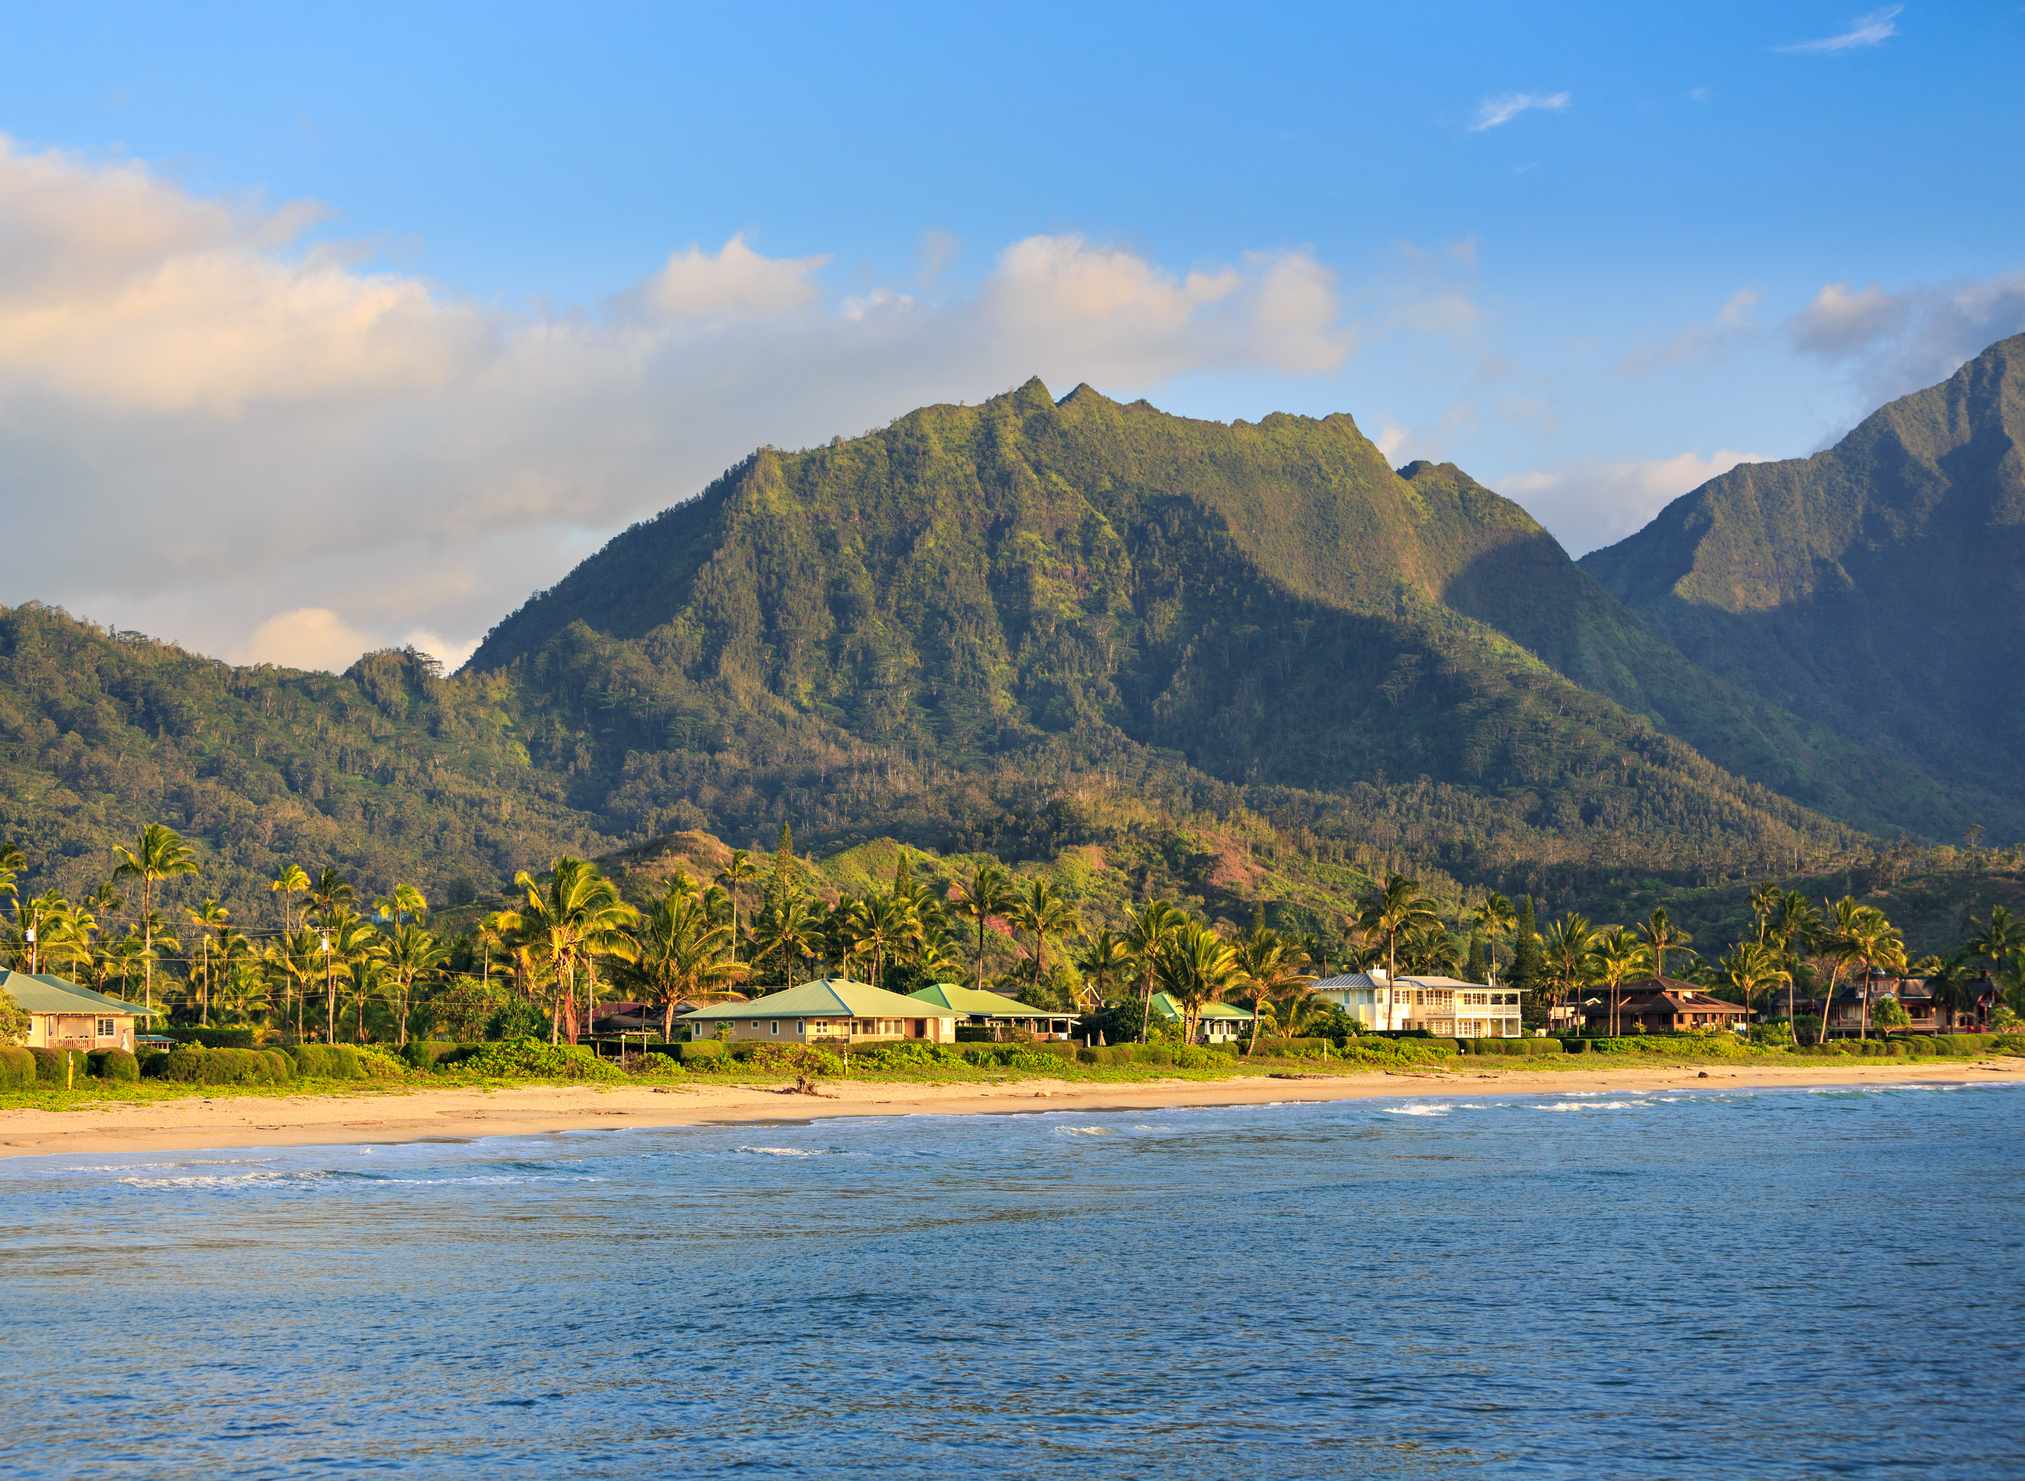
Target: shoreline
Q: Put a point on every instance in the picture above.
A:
(466, 1113)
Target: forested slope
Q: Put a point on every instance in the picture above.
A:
(1877, 589)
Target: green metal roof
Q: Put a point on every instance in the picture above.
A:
(43, 993)
(830, 998)
(1166, 1007)
(977, 1003)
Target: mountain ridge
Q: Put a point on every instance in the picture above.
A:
(1876, 588)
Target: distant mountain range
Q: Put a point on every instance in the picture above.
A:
(1013, 626)
(1876, 589)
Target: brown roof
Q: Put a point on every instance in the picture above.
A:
(1643, 994)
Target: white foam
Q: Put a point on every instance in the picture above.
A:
(1594, 1105)
(780, 1151)
(1416, 1110)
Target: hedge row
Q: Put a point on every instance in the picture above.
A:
(17, 1068)
(1518, 1047)
(193, 1064)
(210, 1038)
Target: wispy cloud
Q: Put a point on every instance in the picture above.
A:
(1895, 342)
(1866, 30)
(1698, 342)
(1496, 112)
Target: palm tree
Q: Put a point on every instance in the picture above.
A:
(1749, 966)
(13, 863)
(1043, 913)
(158, 854)
(1839, 920)
(1495, 918)
(208, 917)
(1272, 970)
(298, 958)
(789, 928)
(1567, 946)
(1392, 909)
(681, 951)
(1618, 954)
(887, 925)
(346, 941)
(1996, 938)
(987, 894)
(1795, 925)
(1105, 955)
(571, 916)
(730, 877)
(291, 881)
(1662, 936)
(1195, 967)
(1147, 934)
(409, 952)
(1871, 941)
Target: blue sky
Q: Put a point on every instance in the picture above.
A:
(352, 328)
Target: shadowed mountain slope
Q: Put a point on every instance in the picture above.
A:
(1876, 589)
(1270, 603)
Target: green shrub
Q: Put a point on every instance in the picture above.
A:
(280, 1068)
(17, 1067)
(193, 1064)
(1291, 1048)
(114, 1064)
(211, 1038)
(699, 1053)
(327, 1062)
(796, 1059)
(58, 1066)
(1152, 1053)
(532, 1058)
(377, 1064)
(909, 1054)
(1574, 1046)
(1202, 1057)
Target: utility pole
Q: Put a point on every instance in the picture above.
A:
(329, 994)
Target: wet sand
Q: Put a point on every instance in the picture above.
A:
(402, 1113)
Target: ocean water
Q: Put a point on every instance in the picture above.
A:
(1697, 1285)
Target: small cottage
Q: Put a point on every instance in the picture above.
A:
(829, 1010)
(62, 1015)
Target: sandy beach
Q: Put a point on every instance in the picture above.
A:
(402, 1114)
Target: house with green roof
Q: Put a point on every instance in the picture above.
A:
(62, 1015)
(977, 1009)
(830, 1009)
(1215, 1023)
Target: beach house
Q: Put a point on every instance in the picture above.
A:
(990, 1015)
(831, 1009)
(62, 1015)
(1215, 1023)
(1660, 1005)
(1441, 1006)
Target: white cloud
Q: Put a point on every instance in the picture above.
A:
(1895, 342)
(735, 286)
(273, 453)
(1496, 112)
(306, 638)
(1866, 30)
(1592, 504)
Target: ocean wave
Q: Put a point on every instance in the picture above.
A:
(1416, 1110)
(1594, 1105)
(784, 1151)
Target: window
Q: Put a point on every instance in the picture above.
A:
(773, 1028)
(107, 1028)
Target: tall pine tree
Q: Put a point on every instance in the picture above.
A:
(785, 882)
(1527, 967)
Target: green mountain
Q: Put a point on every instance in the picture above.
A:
(1104, 588)
(1876, 589)
(1227, 662)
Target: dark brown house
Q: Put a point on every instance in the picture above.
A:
(1660, 1005)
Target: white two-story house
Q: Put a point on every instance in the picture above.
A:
(1440, 1005)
